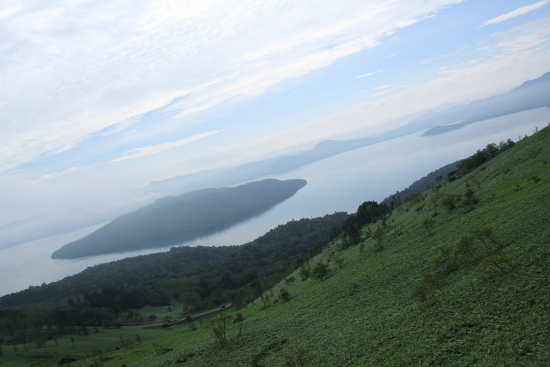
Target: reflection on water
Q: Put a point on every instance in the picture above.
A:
(339, 183)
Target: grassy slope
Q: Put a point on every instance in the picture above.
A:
(490, 318)
(479, 318)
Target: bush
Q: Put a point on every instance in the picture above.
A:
(284, 295)
(450, 201)
(67, 360)
(299, 356)
(219, 328)
(320, 271)
(428, 224)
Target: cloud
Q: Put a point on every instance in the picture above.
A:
(454, 53)
(384, 92)
(153, 149)
(382, 87)
(70, 70)
(368, 74)
(524, 55)
(54, 175)
(428, 60)
(519, 11)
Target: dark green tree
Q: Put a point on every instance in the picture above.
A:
(320, 271)
(284, 295)
(379, 235)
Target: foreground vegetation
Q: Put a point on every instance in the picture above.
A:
(456, 276)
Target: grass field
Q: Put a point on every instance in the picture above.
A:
(364, 312)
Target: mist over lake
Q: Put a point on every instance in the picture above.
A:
(339, 183)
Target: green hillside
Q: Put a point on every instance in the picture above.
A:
(458, 276)
(365, 313)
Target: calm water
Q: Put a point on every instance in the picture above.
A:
(339, 183)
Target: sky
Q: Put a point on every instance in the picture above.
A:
(101, 97)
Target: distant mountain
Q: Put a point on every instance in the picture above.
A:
(531, 94)
(22, 231)
(173, 220)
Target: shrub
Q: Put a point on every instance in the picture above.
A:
(219, 326)
(428, 224)
(304, 273)
(320, 271)
(66, 360)
(339, 261)
(284, 295)
(450, 201)
(299, 356)
(159, 349)
(429, 282)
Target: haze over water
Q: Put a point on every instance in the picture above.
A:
(339, 183)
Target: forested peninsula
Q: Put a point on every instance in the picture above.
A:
(174, 220)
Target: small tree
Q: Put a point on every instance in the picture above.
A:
(339, 261)
(219, 328)
(469, 197)
(94, 354)
(284, 295)
(160, 349)
(435, 201)
(304, 273)
(126, 343)
(239, 318)
(429, 282)
(361, 251)
(299, 356)
(38, 342)
(450, 201)
(320, 271)
(378, 236)
(428, 224)
(414, 198)
(289, 281)
(189, 320)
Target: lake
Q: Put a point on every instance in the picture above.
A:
(339, 183)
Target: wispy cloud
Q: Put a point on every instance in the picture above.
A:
(522, 58)
(382, 87)
(109, 61)
(514, 13)
(382, 93)
(153, 149)
(368, 74)
(54, 174)
(454, 53)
